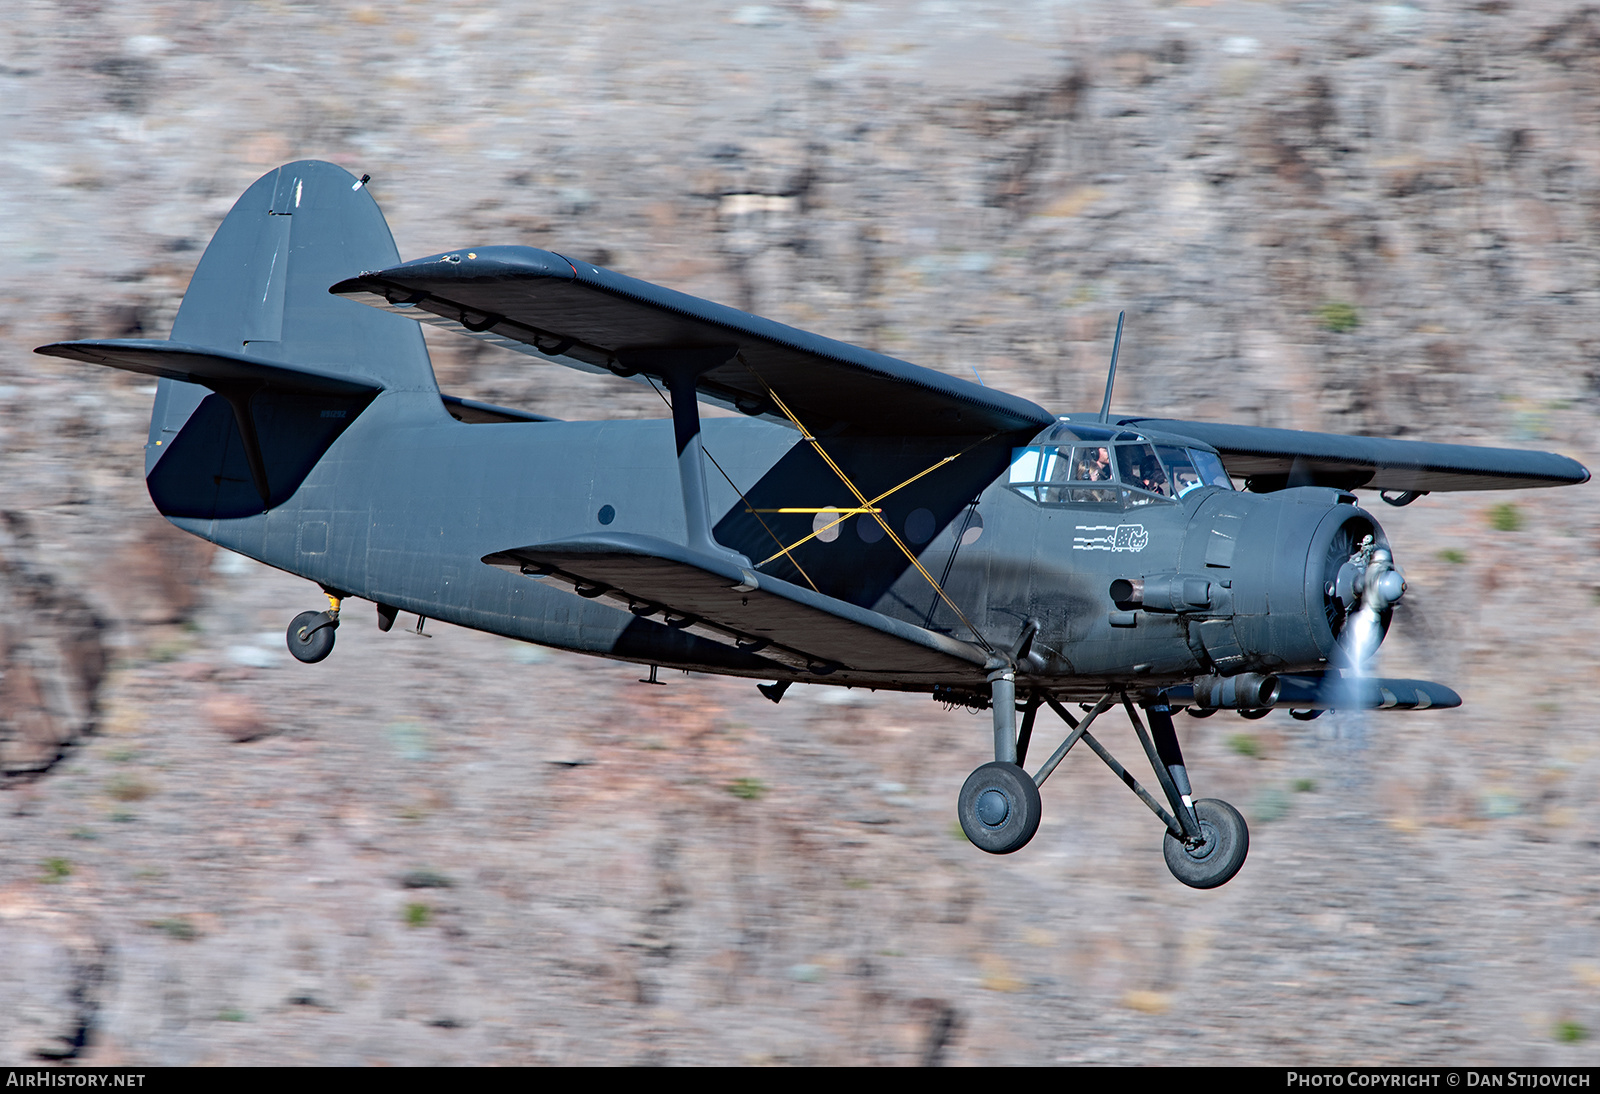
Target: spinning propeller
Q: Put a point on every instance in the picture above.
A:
(1364, 586)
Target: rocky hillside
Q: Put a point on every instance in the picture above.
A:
(1379, 218)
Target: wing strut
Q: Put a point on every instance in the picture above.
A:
(867, 506)
(683, 368)
(782, 550)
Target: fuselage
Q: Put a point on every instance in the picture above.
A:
(402, 507)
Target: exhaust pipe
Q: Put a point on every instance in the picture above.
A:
(1247, 691)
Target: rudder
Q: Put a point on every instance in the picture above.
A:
(261, 291)
(262, 286)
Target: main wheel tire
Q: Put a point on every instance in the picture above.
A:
(999, 808)
(310, 636)
(1216, 861)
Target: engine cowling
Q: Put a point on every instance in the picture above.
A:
(1295, 574)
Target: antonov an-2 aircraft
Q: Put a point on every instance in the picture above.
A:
(864, 522)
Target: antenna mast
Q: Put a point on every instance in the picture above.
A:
(1111, 377)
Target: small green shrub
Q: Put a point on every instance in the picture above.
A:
(418, 915)
(747, 789)
(180, 929)
(56, 869)
(1571, 1032)
(1338, 317)
(1453, 555)
(1505, 517)
(1270, 804)
(1245, 745)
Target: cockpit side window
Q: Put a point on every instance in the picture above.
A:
(1090, 469)
(1209, 466)
(1092, 463)
(1025, 467)
(1181, 472)
(1138, 467)
(1064, 475)
(1089, 472)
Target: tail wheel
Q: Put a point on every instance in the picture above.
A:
(310, 636)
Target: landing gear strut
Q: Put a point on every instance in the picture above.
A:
(310, 634)
(999, 808)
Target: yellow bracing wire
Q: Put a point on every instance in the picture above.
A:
(861, 500)
(846, 513)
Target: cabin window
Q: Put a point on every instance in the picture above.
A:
(1102, 473)
(1063, 475)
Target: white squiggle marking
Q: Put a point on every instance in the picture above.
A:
(1111, 537)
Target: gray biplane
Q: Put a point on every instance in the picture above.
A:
(863, 522)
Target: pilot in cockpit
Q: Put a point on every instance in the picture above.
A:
(1151, 477)
(1094, 465)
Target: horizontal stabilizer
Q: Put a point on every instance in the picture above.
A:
(470, 410)
(1274, 458)
(215, 369)
(1330, 691)
(546, 305)
(756, 613)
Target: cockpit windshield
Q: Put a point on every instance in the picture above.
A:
(1127, 470)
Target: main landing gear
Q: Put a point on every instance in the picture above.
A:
(999, 808)
(310, 634)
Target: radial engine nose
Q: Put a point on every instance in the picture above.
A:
(1366, 586)
(1310, 576)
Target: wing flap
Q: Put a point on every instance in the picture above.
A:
(756, 613)
(541, 303)
(1274, 458)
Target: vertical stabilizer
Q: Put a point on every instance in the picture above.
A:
(235, 448)
(262, 286)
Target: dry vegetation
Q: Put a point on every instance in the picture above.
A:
(1369, 218)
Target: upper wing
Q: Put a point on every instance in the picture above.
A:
(543, 304)
(1274, 458)
(758, 613)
